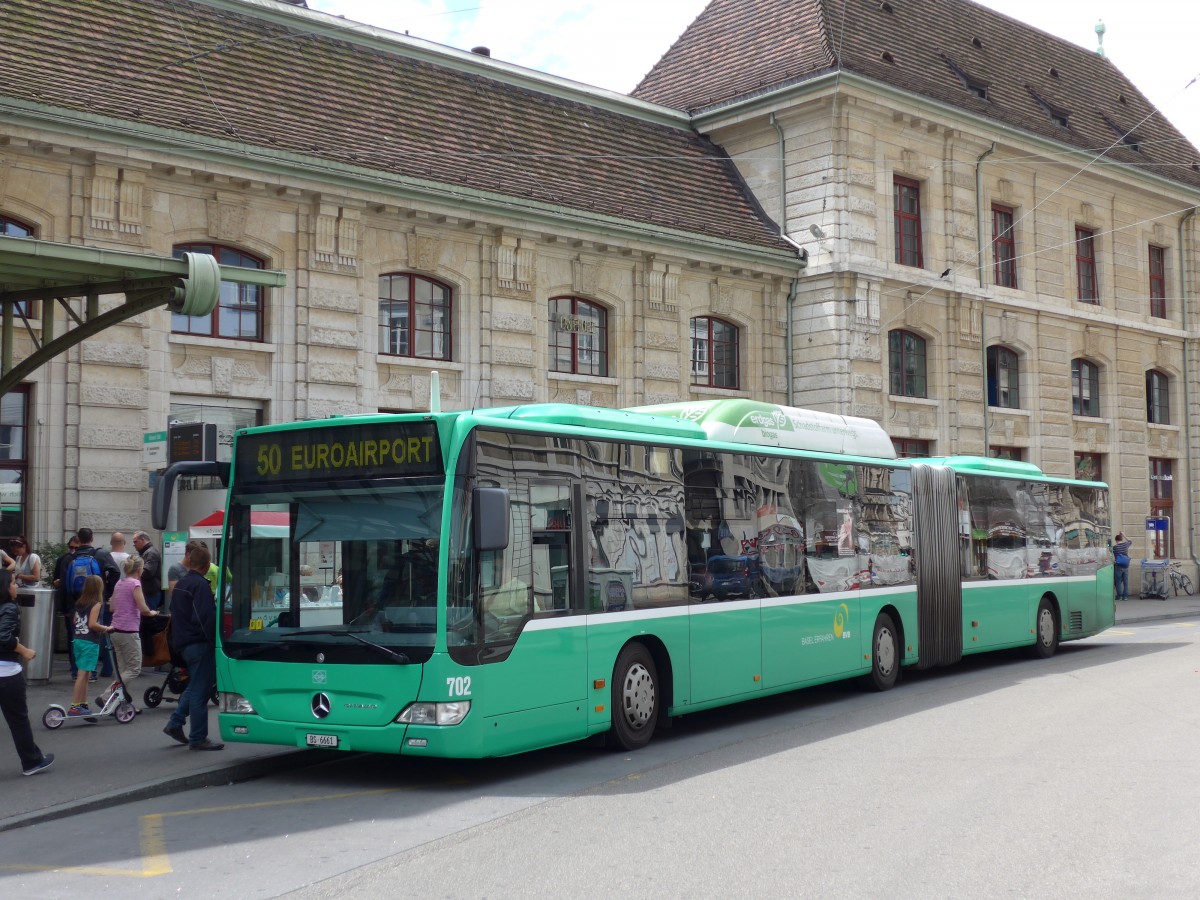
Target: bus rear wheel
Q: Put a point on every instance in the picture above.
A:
(885, 654)
(1045, 641)
(634, 699)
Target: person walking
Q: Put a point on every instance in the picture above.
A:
(128, 609)
(29, 564)
(194, 637)
(1120, 549)
(89, 634)
(151, 569)
(62, 598)
(12, 681)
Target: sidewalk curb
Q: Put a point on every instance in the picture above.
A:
(243, 770)
(1155, 617)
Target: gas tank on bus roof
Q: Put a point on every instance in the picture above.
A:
(771, 425)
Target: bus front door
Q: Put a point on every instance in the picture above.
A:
(536, 689)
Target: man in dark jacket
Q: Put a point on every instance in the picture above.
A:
(194, 637)
(66, 605)
(151, 569)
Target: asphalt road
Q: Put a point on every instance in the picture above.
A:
(1000, 777)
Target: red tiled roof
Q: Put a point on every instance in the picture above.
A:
(938, 49)
(311, 90)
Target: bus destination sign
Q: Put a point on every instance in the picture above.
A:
(338, 453)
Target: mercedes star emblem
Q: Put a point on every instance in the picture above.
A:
(320, 705)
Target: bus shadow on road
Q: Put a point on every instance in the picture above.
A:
(753, 728)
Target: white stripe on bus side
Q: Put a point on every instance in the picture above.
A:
(635, 615)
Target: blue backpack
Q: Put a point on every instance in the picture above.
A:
(78, 570)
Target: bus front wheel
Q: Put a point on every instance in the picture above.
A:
(885, 654)
(634, 699)
(1045, 640)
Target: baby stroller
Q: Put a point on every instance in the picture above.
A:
(156, 651)
(116, 703)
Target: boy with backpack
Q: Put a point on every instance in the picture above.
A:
(84, 561)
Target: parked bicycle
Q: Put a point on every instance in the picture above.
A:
(1179, 581)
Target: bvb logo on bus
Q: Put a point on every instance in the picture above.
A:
(839, 619)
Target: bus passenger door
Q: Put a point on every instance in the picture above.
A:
(726, 639)
(544, 673)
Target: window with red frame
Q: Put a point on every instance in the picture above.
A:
(908, 448)
(578, 336)
(414, 316)
(1162, 504)
(239, 312)
(1158, 282)
(906, 201)
(714, 353)
(1004, 246)
(1085, 264)
(1089, 467)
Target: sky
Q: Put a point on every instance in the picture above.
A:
(613, 43)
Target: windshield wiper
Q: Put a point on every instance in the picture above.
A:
(256, 650)
(333, 632)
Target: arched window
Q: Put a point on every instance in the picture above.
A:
(239, 312)
(414, 317)
(1003, 378)
(1158, 398)
(714, 353)
(1085, 388)
(578, 336)
(906, 364)
(12, 228)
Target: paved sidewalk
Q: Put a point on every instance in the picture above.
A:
(108, 763)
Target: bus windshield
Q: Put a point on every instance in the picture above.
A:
(352, 572)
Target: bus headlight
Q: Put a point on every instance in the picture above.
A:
(435, 713)
(236, 703)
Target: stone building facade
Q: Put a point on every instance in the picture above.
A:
(1044, 306)
(997, 247)
(552, 297)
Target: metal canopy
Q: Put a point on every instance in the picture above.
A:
(42, 270)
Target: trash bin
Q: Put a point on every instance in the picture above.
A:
(1154, 579)
(37, 631)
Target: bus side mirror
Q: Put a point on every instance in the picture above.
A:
(490, 514)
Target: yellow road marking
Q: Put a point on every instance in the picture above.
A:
(155, 860)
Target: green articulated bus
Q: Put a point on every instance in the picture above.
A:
(487, 582)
